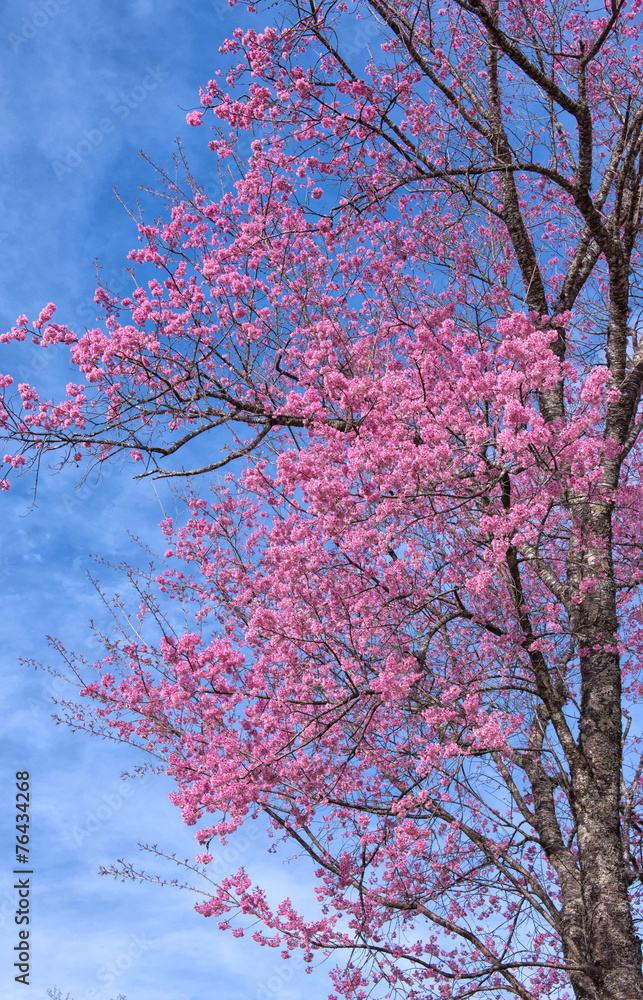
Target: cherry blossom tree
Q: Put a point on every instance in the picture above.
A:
(409, 330)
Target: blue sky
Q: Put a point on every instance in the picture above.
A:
(85, 86)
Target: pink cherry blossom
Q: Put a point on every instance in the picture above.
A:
(413, 632)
